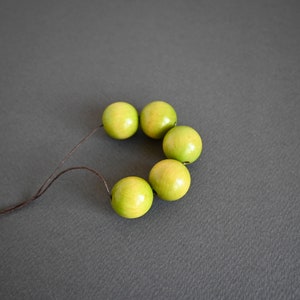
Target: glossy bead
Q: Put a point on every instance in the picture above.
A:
(132, 197)
(182, 143)
(157, 118)
(170, 179)
(120, 120)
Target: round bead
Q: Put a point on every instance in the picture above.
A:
(170, 179)
(157, 118)
(182, 143)
(132, 197)
(120, 120)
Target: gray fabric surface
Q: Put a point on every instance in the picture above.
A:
(231, 71)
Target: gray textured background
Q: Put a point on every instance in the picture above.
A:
(230, 69)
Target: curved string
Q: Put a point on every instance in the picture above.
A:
(48, 182)
(68, 155)
(40, 193)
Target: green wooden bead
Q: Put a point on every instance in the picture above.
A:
(120, 120)
(170, 179)
(132, 197)
(182, 143)
(157, 118)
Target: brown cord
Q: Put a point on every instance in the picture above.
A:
(40, 193)
(49, 181)
(69, 154)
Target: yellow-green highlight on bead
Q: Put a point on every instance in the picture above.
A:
(120, 120)
(157, 118)
(170, 179)
(182, 143)
(132, 197)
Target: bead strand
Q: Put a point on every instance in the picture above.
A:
(169, 178)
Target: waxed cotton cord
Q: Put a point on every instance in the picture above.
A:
(53, 177)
